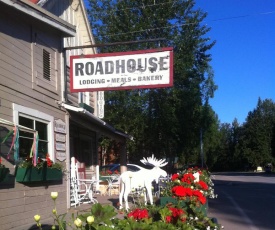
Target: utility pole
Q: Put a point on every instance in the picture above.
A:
(201, 141)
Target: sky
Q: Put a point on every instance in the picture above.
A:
(243, 58)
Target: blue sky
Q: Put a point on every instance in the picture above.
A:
(244, 55)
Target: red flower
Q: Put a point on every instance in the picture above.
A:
(177, 214)
(188, 178)
(174, 177)
(168, 219)
(203, 185)
(139, 214)
(179, 190)
(199, 196)
(49, 162)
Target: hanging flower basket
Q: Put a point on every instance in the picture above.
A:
(32, 174)
(3, 173)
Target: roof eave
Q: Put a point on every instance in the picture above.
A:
(42, 15)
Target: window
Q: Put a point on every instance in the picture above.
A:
(39, 121)
(26, 139)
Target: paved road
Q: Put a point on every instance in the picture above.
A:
(246, 201)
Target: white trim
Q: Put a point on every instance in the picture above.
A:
(18, 109)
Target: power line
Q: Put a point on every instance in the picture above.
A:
(186, 24)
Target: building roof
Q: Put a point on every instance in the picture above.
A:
(36, 12)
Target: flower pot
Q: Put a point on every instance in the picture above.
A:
(3, 173)
(53, 174)
(183, 204)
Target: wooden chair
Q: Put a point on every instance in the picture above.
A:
(81, 187)
(113, 185)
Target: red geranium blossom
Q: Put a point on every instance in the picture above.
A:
(199, 196)
(203, 185)
(188, 178)
(139, 214)
(179, 190)
(174, 177)
(177, 214)
(49, 162)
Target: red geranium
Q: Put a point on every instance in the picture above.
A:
(203, 185)
(176, 214)
(199, 196)
(49, 162)
(174, 177)
(188, 178)
(139, 214)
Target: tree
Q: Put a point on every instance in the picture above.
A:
(258, 134)
(166, 122)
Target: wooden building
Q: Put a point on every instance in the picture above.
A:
(35, 98)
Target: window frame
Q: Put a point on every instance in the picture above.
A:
(39, 116)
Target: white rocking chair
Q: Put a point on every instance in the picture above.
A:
(81, 188)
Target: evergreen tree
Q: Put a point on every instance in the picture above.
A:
(256, 145)
(166, 122)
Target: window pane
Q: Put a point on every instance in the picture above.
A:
(25, 145)
(42, 149)
(27, 123)
(42, 130)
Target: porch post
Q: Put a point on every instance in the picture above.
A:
(123, 156)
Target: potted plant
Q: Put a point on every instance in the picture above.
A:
(3, 171)
(44, 170)
(189, 189)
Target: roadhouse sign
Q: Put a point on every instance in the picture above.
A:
(125, 70)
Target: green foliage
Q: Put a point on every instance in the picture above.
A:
(165, 122)
(102, 214)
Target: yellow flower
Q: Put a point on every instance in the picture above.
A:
(53, 227)
(54, 195)
(90, 219)
(78, 222)
(54, 211)
(37, 218)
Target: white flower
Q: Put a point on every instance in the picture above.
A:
(54, 195)
(90, 219)
(36, 218)
(197, 177)
(78, 222)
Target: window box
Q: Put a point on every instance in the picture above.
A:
(53, 174)
(32, 174)
(3, 173)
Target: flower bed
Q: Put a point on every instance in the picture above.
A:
(187, 193)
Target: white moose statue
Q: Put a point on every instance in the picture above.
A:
(142, 178)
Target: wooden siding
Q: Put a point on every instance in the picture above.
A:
(19, 59)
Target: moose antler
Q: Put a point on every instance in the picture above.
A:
(153, 161)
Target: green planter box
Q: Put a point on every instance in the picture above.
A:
(3, 173)
(29, 175)
(53, 174)
(166, 200)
